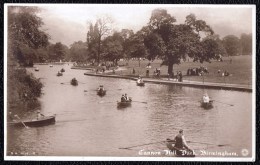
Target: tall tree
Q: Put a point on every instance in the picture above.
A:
(24, 33)
(231, 44)
(246, 44)
(57, 51)
(173, 42)
(96, 33)
(78, 51)
(113, 48)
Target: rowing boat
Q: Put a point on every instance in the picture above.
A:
(208, 105)
(101, 92)
(179, 152)
(36, 69)
(62, 70)
(74, 82)
(59, 74)
(124, 104)
(140, 83)
(34, 123)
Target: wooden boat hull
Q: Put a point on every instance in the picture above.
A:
(101, 92)
(74, 82)
(59, 74)
(123, 104)
(34, 123)
(179, 152)
(207, 105)
(140, 84)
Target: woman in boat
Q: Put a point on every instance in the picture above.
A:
(101, 88)
(205, 98)
(126, 98)
(123, 99)
(39, 115)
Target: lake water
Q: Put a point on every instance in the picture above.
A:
(89, 125)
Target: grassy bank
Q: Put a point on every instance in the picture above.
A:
(23, 89)
(240, 69)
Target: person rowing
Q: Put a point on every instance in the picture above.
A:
(205, 98)
(39, 115)
(139, 80)
(101, 88)
(123, 99)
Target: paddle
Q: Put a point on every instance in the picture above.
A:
(21, 121)
(140, 102)
(223, 103)
(127, 148)
(219, 145)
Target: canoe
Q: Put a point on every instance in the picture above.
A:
(124, 104)
(177, 151)
(207, 105)
(101, 92)
(140, 83)
(47, 120)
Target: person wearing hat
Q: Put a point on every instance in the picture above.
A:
(180, 142)
(39, 115)
(205, 98)
(126, 98)
(101, 88)
(123, 99)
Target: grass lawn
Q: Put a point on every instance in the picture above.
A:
(240, 69)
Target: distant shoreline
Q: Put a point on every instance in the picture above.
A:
(195, 84)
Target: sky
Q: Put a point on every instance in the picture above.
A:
(67, 23)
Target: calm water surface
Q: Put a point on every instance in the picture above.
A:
(89, 125)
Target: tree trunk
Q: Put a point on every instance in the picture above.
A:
(170, 70)
(99, 45)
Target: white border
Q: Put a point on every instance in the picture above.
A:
(62, 158)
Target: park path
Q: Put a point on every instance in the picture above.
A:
(236, 87)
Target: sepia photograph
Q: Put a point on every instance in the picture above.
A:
(129, 82)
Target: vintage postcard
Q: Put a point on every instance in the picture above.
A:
(129, 82)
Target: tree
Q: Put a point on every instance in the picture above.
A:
(246, 44)
(231, 44)
(96, 33)
(172, 42)
(78, 51)
(24, 33)
(57, 51)
(135, 46)
(113, 48)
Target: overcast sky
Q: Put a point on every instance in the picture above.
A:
(69, 23)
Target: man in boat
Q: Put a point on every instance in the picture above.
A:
(101, 88)
(39, 115)
(180, 142)
(126, 98)
(205, 98)
(123, 99)
(10, 117)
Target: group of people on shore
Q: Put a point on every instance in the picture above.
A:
(197, 71)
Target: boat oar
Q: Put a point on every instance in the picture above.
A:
(127, 148)
(21, 121)
(140, 102)
(223, 102)
(219, 145)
